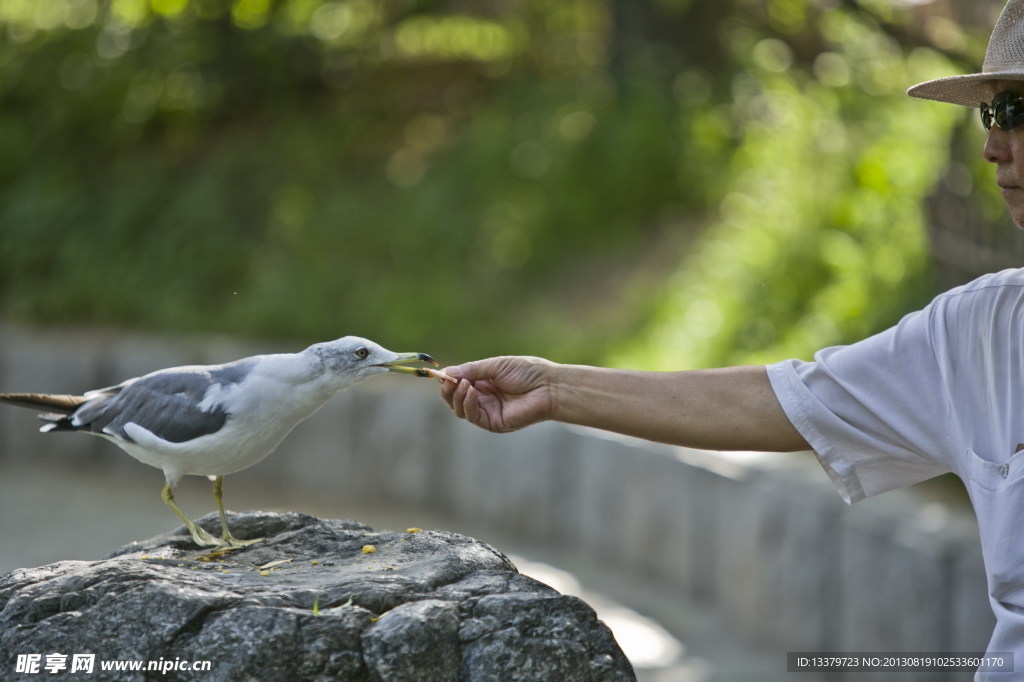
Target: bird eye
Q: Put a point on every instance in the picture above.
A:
(362, 353)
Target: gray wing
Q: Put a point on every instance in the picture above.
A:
(165, 403)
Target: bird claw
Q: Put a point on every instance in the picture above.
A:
(202, 538)
(222, 544)
(231, 542)
(226, 542)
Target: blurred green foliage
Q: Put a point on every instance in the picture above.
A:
(820, 237)
(534, 177)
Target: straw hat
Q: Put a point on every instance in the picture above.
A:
(1004, 61)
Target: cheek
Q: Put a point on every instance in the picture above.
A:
(1016, 148)
(340, 365)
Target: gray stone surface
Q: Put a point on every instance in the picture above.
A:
(308, 603)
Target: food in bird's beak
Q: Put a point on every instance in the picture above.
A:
(438, 374)
(403, 359)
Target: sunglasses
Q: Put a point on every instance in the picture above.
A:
(1006, 111)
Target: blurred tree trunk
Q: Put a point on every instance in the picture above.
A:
(684, 36)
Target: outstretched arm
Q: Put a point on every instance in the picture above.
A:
(721, 409)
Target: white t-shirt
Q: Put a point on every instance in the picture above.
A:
(941, 391)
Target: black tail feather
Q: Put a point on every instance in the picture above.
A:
(56, 422)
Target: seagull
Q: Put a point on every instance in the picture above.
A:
(213, 420)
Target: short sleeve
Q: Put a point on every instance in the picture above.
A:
(877, 413)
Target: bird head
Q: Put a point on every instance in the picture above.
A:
(355, 358)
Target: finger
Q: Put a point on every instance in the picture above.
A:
(463, 371)
(478, 369)
(472, 409)
(459, 399)
(448, 390)
(485, 387)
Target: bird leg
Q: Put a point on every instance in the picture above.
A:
(227, 538)
(199, 536)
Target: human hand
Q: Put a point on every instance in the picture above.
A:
(501, 394)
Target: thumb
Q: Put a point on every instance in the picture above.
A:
(478, 369)
(463, 371)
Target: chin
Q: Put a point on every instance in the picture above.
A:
(1017, 215)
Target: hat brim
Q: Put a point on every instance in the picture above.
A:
(970, 91)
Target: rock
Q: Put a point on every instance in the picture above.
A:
(311, 602)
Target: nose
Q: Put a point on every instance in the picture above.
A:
(997, 146)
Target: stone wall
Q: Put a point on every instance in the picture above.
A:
(764, 538)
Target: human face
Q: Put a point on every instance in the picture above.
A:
(1005, 149)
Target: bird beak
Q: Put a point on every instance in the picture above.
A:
(403, 359)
